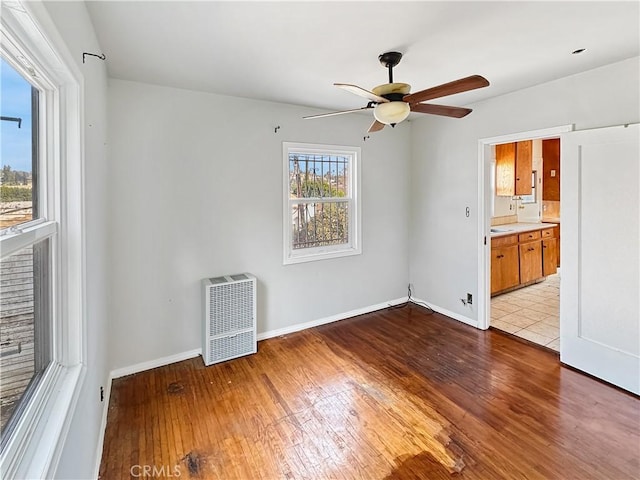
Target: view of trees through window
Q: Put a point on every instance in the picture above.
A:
(320, 183)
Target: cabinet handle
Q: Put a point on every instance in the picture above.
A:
(531, 249)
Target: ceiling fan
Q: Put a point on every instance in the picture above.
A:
(392, 102)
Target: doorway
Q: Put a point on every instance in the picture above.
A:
(521, 229)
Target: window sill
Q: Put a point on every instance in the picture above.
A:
(321, 255)
(36, 443)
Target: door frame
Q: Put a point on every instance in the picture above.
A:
(485, 155)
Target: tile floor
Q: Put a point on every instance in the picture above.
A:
(532, 312)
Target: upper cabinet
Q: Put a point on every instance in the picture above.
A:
(551, 169)
(514, 168)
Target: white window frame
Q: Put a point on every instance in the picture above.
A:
(31, 44)
(354, 246)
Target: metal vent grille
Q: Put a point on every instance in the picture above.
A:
(226, 348)
(229, 326)
(231, 307)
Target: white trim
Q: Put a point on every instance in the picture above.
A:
(178, 357)
(158, 362)
(447, 313)
(354, 246)
(24, 237)
(333, 318)
(103, 427)
(35, 445)
(484, 216)
(551, 132)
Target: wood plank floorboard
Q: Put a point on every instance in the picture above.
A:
(395, 394)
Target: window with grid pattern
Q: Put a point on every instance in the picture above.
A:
(321, 217)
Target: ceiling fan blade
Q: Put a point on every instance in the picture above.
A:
(457, 86)
(376, 126)
(445, 110)
(331, 114)
(361, 92)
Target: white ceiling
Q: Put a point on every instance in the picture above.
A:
(293, 52)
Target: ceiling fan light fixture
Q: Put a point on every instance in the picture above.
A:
(391, 113)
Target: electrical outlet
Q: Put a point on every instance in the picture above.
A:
(469, 299)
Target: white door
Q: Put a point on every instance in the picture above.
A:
(600, 245)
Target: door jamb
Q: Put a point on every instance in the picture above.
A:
(484, 216)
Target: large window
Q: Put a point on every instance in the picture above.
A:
(321, 216)
(41, 245)
(25, 316)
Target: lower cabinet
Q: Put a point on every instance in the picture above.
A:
(549, 257)
(521, 259)
(504, 268)
(530, 257)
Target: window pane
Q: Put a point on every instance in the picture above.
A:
(19, 107)
(25, 326)
(318, 176)
(531, 198)
(320, 224)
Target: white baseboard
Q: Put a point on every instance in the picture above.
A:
(103, 426)
(448, 313)
(333, 318)
(158, 362)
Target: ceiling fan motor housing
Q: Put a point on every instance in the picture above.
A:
(393, 92)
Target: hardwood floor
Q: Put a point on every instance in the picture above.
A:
(396, 394)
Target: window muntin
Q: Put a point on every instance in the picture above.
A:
(321, 218)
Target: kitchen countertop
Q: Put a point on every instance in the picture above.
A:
(513, 228)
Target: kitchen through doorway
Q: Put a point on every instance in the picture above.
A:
(524, 194)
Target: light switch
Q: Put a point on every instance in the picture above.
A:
(553, 173)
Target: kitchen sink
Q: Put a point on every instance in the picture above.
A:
(500, 230)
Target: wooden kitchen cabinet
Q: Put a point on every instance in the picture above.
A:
(551, 169)
(505, 269)
(514, 165)
(549, 257)
(520, 259)
(530, 261)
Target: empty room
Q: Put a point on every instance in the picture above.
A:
(320, 240)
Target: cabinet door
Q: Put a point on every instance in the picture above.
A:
(504, 268)
(549, 256)
(505, 169)
(530, 261)
(524, 167)
(551, 169)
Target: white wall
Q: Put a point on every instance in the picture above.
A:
(444, 169)
(79, 455)
(196, 184)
